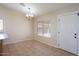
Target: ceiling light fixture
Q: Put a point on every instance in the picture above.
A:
(29, 15)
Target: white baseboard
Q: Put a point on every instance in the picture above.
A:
(47, 43)
(15, 41)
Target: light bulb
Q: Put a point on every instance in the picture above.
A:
(27, 15)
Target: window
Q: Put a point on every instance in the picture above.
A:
(43, 29)
(40, 29)
(1, 25)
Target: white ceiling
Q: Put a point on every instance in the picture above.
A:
(36, 8)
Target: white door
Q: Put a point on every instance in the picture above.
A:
(68, 32)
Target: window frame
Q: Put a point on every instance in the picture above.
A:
(49, 26)
(2, 25)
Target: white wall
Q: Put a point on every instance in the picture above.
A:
(16, 25)
(52, 17)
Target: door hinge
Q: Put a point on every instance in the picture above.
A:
(58, 44)
(58, 19)
(58, 32)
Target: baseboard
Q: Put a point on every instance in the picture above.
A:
(47, 43)
(16, 41)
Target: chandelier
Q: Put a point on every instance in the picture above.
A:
(29, 15)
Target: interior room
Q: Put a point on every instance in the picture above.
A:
(39, 29)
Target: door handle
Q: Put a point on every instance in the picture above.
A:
(75, 34)
(75, 37)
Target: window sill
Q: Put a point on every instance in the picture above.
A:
(43, 36)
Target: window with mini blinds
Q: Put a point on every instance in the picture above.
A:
(43, 29)
(1, 25)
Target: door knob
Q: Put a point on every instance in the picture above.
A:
(75, 37)
(75, 34)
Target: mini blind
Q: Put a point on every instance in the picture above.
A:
(43, 29)
(1, 25)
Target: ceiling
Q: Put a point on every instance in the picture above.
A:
(36, 8)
